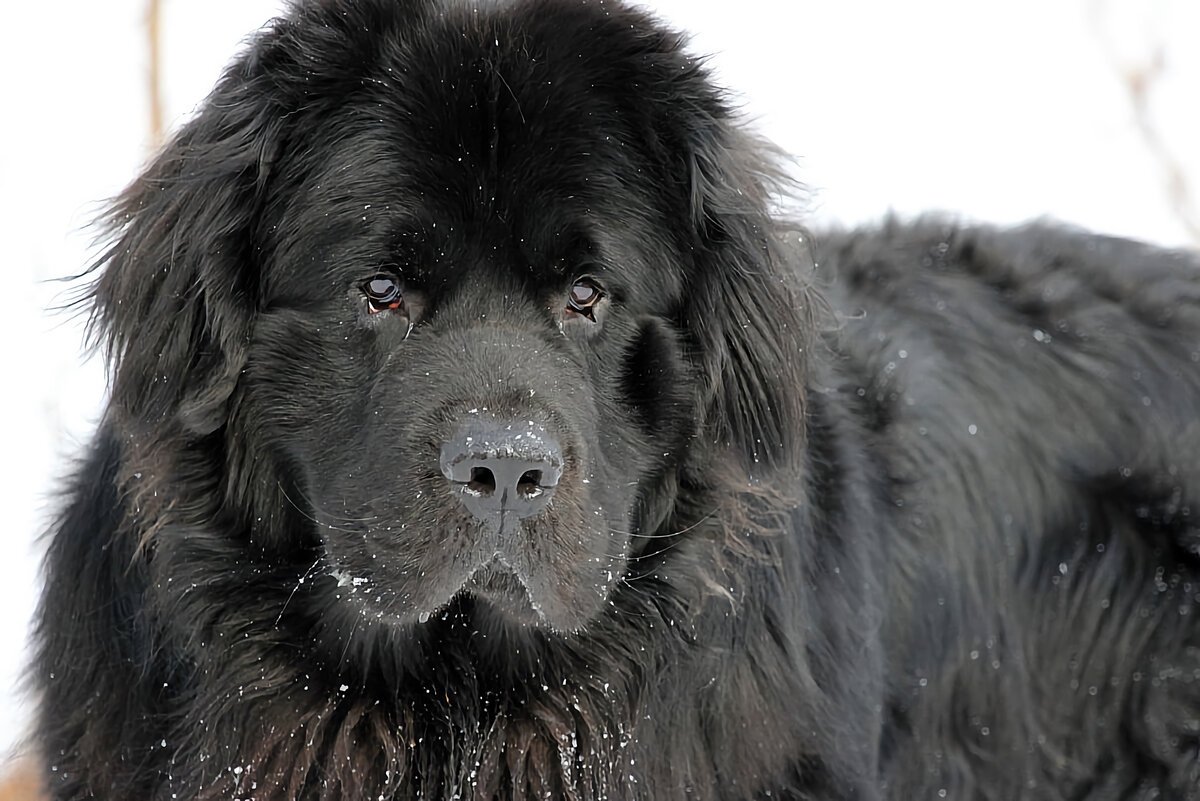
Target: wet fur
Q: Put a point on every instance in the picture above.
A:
(939, 537)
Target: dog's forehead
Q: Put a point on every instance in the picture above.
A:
(532, 135)
(515, 130)
(493, 110)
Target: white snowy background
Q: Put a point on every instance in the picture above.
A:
(1083, 110)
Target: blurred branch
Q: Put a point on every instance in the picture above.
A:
(1139, 76)
(154, 71)
(1138, 85)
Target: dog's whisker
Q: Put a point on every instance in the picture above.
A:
(323, 523)
(305, 576)
(669, 535)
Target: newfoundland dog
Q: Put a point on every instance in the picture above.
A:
(478, 430)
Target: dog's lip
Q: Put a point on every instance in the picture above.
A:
(496, 569)
(499, 583)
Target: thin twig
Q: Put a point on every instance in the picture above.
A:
(1139, 81)
(154, 71)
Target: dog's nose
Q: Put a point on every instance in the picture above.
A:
(503, 467)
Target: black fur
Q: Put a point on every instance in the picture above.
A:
(938, 540)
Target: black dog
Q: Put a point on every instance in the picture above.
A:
(476, 432)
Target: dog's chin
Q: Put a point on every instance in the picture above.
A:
(496, 594)
(497, 587)
(493, 594)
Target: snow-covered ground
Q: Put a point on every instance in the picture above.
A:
(1083, 110)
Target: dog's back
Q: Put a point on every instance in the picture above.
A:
(1035, 394)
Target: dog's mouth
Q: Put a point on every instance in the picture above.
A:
(501, 586)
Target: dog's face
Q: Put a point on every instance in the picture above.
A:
(477, 293)
(464, 346)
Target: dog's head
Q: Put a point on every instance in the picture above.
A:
(458, 298)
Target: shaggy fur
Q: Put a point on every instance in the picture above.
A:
(919, 524)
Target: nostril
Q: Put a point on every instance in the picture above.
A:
(529, 485)
(502, 468)
(482, 482)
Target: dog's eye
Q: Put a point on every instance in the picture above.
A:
(383, 292)
(585, 295)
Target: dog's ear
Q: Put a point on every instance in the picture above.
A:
(174, 297)
(748, 304)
